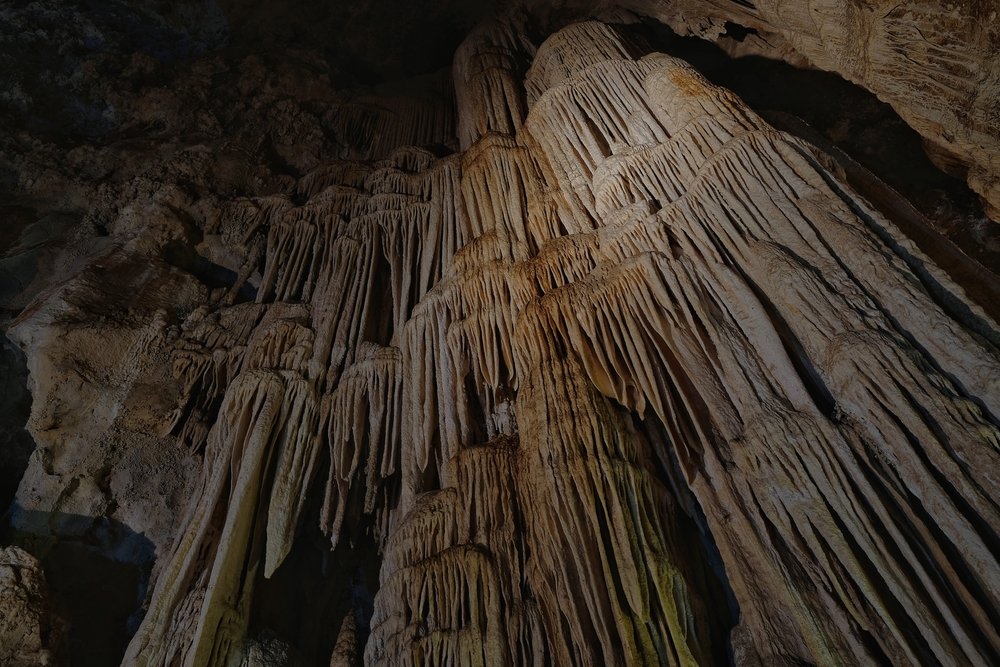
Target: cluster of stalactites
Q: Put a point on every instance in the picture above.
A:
(450, 584)
(575, 49)
(777, 326)
(267, 386)
(503, 351)
(260, 455)
(698, 263)
(360, 422)
(375, 122)
(487, 70)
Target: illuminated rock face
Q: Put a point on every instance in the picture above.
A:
(628, 378)
(935, 63)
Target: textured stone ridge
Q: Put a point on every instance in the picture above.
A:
(629, 378)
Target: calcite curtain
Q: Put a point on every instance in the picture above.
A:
(630, 378)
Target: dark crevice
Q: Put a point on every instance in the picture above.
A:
(476, 411)
(306, 599)
(380, 323)
(737, 32)
(697, 553)
(208, 273)
(97, 571)
(16, 444)
(899, 613)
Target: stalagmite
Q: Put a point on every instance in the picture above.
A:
(345, 652)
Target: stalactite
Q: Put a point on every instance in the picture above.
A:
(201, 602)
(631, 370)
(294, 471)
(488, 68)
(374, 122)
(361, 426)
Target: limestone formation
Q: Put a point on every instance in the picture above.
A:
(934, 62)
(609, 370)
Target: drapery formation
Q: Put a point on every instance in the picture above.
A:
(632, 379)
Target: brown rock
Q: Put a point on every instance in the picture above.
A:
(30, 634)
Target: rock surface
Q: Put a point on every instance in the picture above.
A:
(935, 63)
(605, 368)
(30, 634)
